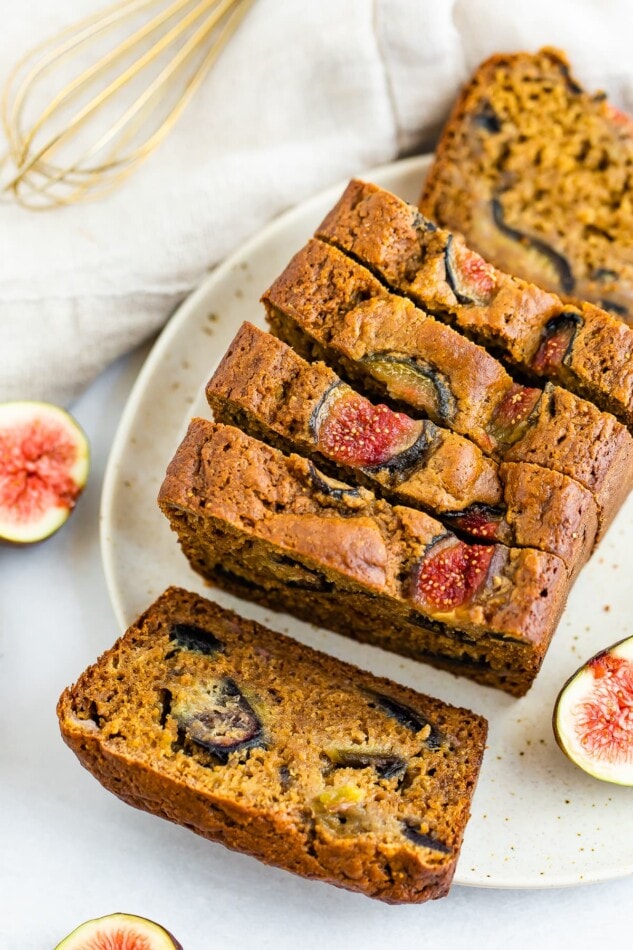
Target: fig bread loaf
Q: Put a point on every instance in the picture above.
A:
(535, 173)
(275, 530)
(581, 347)
(258, 742)
(327, 306)
(266, 389)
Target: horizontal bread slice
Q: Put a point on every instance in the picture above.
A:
(258, 742)
(263, 387)
(327, 306)
(274, 529)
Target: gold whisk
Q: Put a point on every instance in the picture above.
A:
(82, 110)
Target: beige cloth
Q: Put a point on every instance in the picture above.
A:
(307, 94)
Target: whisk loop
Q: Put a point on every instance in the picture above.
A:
(74, 132)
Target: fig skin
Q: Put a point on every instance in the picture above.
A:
(128, 930)
(598, 700)
(44, 465)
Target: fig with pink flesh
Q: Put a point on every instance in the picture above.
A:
(470, 278)
(354, 431)
(44, 463)
(593, 715)
(451, 573)
(513, 412)
(119, 932)
(559, 334)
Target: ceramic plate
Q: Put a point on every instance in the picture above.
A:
(537, 821)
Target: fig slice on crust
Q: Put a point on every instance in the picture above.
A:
(593, 715)
(415, 382)
(353, 431)
(451, 573)
(119, 932)
(470, 278)
(478, 521)
(513, 413)
(44, 463)
(557, 342)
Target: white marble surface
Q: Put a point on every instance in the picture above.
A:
(71, 851)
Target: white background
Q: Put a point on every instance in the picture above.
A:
(70, 851)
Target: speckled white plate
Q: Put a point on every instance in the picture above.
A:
(537, 820)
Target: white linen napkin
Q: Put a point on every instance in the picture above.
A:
(305, 94)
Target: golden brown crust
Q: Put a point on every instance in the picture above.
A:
(243, 511)
(263, 387)
(514, 317)
(284, 797)
(557, 161)
(552, 507)
(326, 305)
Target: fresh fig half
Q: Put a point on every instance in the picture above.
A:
(119, 932)
(593, 715)
(44, 463)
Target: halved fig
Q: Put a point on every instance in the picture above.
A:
(351, 430)
(479, 521)
(557, 341)
(415, 382)
(44, 463)
(593, 715)
(512, 414)
(451, 573)
(119, 932)
(469, 276)
(216, 717)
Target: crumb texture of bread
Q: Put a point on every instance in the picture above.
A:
(253, 740)
(535, 173)
(266, 389)
(276, 530)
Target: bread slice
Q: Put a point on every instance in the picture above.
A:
(581, 347)
(251, 739)
(276, 530)
(327, 306)
(535, 173)
(263, 387)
